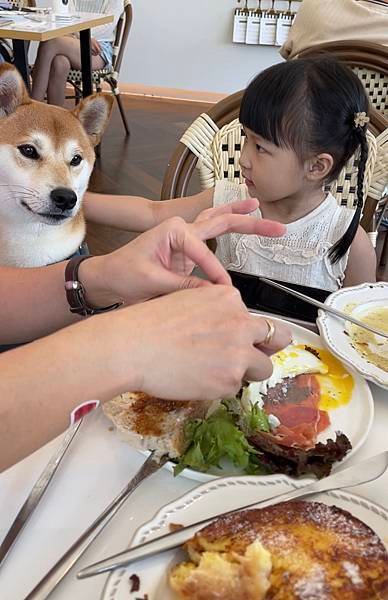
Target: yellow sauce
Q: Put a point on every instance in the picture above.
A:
(369, 345)
(337, 385)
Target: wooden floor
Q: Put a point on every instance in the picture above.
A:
(136, 164)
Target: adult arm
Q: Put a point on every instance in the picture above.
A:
(208, 351)
(158, 262)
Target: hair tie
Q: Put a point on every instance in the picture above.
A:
(361, 119)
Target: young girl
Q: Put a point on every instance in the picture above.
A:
(302, 120)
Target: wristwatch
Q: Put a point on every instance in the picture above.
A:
(75, 291)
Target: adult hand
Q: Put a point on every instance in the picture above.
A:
(161, 260)
(183, 347)
(95, 47)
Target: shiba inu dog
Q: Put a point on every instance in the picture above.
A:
(46, 159)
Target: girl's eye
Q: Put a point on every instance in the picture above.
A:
(28, 151)
(259, 148)
(76, 160)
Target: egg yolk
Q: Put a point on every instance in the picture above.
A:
(337, 385)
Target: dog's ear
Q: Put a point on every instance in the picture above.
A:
(13, 92)
(94, 112)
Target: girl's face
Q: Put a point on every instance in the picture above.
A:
(271, 173)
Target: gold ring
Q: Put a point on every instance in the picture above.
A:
(270, 333)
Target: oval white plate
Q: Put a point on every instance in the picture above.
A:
(210, 498)
(354, 419)
(333, 333)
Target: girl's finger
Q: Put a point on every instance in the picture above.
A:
(241, 207)
(226, 223)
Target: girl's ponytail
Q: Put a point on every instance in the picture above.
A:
(343, 244)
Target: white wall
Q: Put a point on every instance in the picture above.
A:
(187, 45)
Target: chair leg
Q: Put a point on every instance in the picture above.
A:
(384, 251)
(78, 95)
(122, 112)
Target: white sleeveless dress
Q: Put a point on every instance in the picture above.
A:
(300, 256)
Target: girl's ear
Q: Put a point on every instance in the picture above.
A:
(319, 167)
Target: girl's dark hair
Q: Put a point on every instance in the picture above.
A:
(310, 105)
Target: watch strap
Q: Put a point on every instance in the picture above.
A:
(75, 291)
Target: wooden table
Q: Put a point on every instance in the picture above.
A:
(24, 31)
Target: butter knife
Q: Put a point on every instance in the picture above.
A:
(36, 493)
(365, 471)
(65, 563)
(325, 307)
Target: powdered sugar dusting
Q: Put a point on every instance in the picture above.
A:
(352, 572)
(312, 587)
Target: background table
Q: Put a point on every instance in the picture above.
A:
(95, 469)
(24, 31)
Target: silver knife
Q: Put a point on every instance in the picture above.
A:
(36, 493)
(365, 471)
(325, 307)
(49, 582)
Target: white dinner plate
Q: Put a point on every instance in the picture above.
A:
(333, 330)
(208, 499)
(354, 419)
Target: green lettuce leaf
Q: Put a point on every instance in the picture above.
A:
(209, 440)
(249, 417)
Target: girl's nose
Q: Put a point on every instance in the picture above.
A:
(244, 161)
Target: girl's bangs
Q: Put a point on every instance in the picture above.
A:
(273, 107)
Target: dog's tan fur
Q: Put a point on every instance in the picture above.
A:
(29, 235)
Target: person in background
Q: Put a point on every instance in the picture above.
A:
(321, 21)
(180, 346)
(56, 57)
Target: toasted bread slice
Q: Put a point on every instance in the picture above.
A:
(318, 552)
(149, 423)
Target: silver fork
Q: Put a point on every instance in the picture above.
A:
(64, 564)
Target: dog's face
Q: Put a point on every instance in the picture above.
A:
(46, 153)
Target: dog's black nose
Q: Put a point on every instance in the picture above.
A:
(63, 198)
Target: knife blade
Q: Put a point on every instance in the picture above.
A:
(37, 492)
(325, 307)
(50, 581)
(367, 470)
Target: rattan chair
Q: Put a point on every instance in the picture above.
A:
(213, 144)
(109, 75)
(369, 61)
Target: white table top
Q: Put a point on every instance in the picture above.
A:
(95, 469)
(26, 29)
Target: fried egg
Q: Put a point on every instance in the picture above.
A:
(290, 362)
(336, 384)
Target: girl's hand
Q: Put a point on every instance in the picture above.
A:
(240, 207)
(161, 260)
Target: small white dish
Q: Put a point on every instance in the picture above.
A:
(334, 331)
(206, 500)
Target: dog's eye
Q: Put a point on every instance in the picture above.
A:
(28, 151)
(76, 160)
